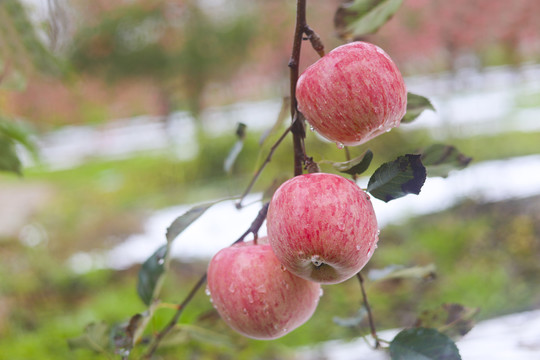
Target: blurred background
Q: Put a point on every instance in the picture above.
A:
(123, 114)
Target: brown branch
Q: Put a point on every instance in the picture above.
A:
(315, 40)
(253, 229)
(368, 309)
(298, 128)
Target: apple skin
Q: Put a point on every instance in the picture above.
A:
(322, 227)
(352, 94)
(256, 295)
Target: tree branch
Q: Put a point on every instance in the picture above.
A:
(298, 127)
(368, 309)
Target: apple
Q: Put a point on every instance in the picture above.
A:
(256, 295)
(352, 94)
(322, 227)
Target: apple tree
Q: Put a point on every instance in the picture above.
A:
(322, 228)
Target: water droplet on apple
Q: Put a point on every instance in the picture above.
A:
(358, 247)
(207, 291)
(340, 145)
(285, 284)
(276, 326)
(283, 268)
(388, 130)
(316, 260)
(232, 288)
(321, 292)
(266, 308)
(261, 288)
(311, 128)
(250, 299)
(244, 311)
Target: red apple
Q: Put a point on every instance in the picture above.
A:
(322, 227)
(256, 295)
(352, 94)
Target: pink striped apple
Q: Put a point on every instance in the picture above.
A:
(352, 94)
(256, 295)
(322, 227)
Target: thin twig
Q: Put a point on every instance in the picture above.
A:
(253, 229)
(155, 343)
(263, 165)
(368, 309)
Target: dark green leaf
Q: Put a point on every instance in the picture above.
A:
(9, 160)
(440, 159)
(399, 272)
(150, 274)
(357, 18)
(416, 104)
(241, 131)
(355, 166)
(392, 180)
(183, 221)
(95, 338)
(423, 344)
(453, 320)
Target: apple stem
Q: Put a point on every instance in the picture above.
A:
(368, 309)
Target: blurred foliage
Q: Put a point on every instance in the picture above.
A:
(182, 48)
(22, 52)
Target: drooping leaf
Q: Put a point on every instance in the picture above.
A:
(182, 333)
(392, 180)
(355, 166)
(400, 272)
(440, 159)
(236, 149)
(416, 104)
(9, 160)
(95, 338)
(423, 344)
(453, 320)
(150, 274)
(357, 18)
(123, 335)
(183, 221)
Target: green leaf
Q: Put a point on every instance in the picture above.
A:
(423, 344)
(416, 104)
(9, 160)
(440, 159)
(183, 221)
(95, 338)
(357, 18)
(453, 320)
(354, 166)
(150, 274)
(399, 272)
(392, 180)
